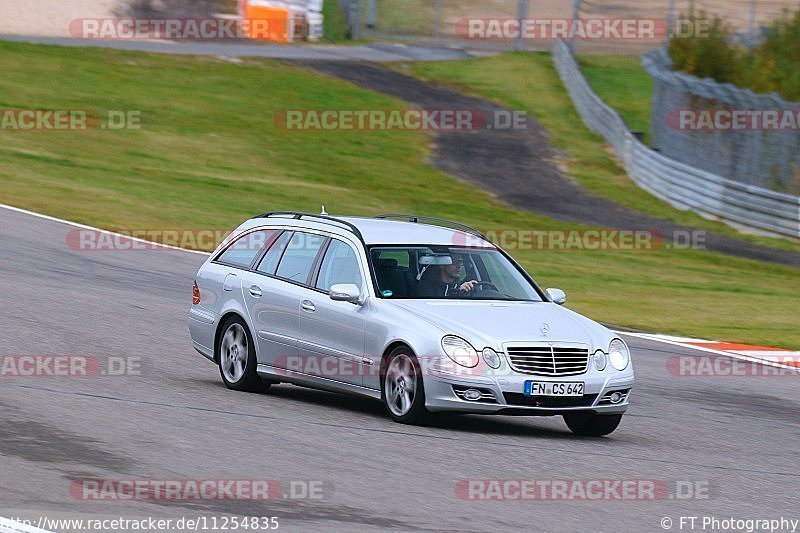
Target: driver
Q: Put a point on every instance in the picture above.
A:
(443, 280)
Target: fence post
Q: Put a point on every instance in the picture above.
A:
(372, 14)
(522, 14)
(751, 30)
(437, 29)
(670, 21)
(576, 14)
(354, 18)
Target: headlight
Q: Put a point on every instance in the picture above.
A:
(600, 360)
(460, 351)
(491, 358)
(618, 354)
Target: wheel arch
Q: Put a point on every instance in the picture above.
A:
(392, 347)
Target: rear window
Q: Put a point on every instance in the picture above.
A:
(245, 249)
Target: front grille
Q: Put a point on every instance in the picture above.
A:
(516, 398)
(545, 360)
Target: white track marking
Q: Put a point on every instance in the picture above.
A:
(83, 226)
(733, 355)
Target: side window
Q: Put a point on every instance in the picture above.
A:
(397, 258)
(340, 265)
(270, 261)
(244, 249)
(298, 259)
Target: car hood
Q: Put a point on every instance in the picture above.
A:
(494, 323)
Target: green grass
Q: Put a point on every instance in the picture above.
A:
(624, 84)
(209, 155)
(529, 81)
(334, 22)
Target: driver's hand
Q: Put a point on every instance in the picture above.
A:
(467, 286)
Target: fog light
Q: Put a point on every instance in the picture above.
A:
(616, 397)
(472, 395)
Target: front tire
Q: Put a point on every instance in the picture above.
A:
(402, 391)
(237, 357)
(592, 424)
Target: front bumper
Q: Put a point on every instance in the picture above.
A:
(503, 394)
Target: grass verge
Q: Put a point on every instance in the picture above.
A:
(209, 155)
(622, 83)
(334, 21)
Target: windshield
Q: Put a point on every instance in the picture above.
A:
(439, 272)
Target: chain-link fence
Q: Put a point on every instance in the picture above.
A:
(438, 21)
(694, 121)
(422, 19)
(760, 156)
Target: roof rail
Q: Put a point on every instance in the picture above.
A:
(437, 222)
(325, 219)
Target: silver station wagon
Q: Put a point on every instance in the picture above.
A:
(422, 314)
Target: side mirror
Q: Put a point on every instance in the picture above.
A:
(345, 292)
(557, 296)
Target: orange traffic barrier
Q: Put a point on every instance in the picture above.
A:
(269, 23)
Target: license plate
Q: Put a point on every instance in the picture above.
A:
(549, 388)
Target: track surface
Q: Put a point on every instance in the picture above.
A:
(325, 52)
(176, 421)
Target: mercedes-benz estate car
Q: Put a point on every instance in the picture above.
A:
(421, 314)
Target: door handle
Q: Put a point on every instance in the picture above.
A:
(255, 291)
(308, 306)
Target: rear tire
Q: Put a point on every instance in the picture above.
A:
(592, 424)
(236, 353)
(402, 391)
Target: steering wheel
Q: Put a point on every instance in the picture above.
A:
(491, 286)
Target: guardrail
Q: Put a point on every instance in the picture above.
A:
(685, 187)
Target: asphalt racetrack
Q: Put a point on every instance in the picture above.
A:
(732, 441)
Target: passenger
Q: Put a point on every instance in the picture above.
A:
(443, 280)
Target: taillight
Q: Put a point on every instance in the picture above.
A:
(195, 294)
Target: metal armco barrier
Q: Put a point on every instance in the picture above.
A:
(685, 187)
